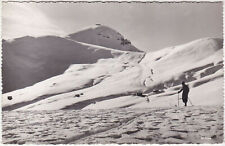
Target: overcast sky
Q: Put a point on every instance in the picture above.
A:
(149, 26)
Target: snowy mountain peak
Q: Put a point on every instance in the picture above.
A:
(197, 49)
(98, 28)
(212, 43)
(105, 36)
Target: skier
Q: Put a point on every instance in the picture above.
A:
(147, 99)
(185, 90)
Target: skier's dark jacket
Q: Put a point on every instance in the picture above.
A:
(185, 90)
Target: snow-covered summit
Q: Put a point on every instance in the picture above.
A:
(102, 35)
(198, 49)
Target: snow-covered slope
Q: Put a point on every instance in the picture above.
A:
(105, 78)
(29, 60)
(186, 62)
(103, 36)
(113, 82)
(200, 63)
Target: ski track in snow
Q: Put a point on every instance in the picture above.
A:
(198, 124)
(95, 46)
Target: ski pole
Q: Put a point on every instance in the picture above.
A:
(178, 100)
(190, 101)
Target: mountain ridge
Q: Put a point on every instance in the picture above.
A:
(157, 74)
(102, 35)
(28, 60)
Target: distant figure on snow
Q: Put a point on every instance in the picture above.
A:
(147, 99)
(185, 90)
(152, 71)
(9, 97)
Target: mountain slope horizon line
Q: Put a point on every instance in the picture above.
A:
(100, 35)
(199, 63)
(29, 60)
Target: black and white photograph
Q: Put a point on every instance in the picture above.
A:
(112, 72)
